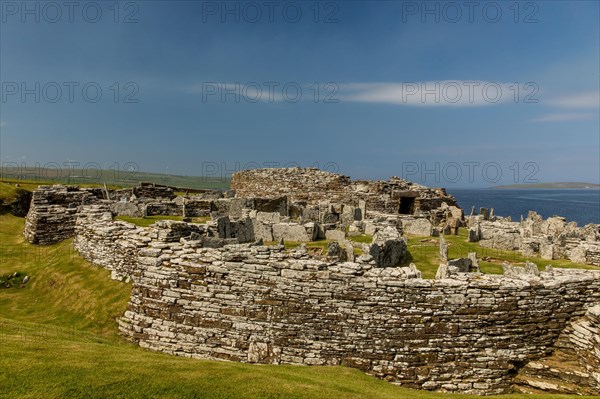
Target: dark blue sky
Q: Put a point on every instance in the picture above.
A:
(188, 83)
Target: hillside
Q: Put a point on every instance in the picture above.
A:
(121, 178)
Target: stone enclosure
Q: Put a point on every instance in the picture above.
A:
(552, 238)
(228, 289)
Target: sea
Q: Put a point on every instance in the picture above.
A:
(579, 205)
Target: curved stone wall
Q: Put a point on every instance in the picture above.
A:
(263, 305)
(584, 335)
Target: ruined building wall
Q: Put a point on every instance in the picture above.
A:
(54, 209)
(53, 212)
(150, 190)
(312, 186)
(261, 305)
(582, 337)
(573, 363)
(113, 245)
(552, 238)
(586, 340)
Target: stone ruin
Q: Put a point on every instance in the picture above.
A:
(54, 210)
(229, 289)
(307, 188)
(553, 238)
(273, 207)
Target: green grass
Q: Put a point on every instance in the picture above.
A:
(63, 288)
(117, 176)
(424, 253)
(58, 339)
(319, 244)
(8, 186)
(83, 367)
(150, 220)
(363, 238)
(147, 220)
(11, 280)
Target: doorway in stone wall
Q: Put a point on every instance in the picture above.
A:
(407, 205)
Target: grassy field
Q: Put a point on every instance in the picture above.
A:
(116, 177)
(58, 339)
(7, 186)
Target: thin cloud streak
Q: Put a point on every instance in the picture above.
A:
(589, 100)
(562, 117)
(444, 93)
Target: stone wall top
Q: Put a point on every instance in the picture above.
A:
(313, 186)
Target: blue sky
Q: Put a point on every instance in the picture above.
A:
(186, 85)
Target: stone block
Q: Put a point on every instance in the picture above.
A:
(290, 232)
(336, 235)
(417, 227)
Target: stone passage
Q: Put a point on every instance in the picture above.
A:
(573, 367)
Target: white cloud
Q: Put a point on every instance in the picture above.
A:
(457, 93)
(565, 116)
(580, 100)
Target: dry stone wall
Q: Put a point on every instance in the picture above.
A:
(113, 245)
(312, 186)
(583, 337)
(573, 364)
(586, 340)
(156, 191)
(53, 212)
(262, 305)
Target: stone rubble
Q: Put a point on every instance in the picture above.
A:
(552, 238)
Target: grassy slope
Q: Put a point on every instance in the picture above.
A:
(115, 177)
(58, 340)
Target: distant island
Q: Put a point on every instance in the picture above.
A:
(557, 185)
